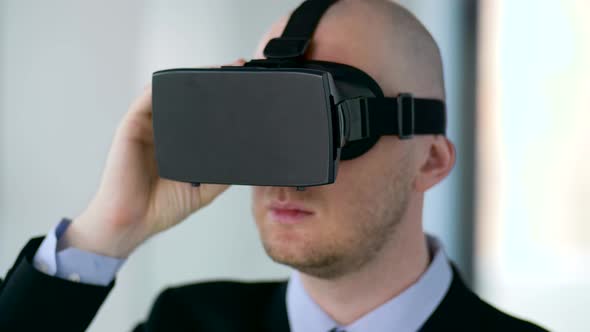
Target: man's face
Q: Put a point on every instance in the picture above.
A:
(350, 220)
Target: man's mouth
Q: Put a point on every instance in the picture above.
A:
(288, 212)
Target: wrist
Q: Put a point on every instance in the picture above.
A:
(97, 235)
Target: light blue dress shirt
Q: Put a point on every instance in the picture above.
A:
(404, 313)
(74, 264)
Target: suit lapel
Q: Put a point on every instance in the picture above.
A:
(457, 307)
(276, 319)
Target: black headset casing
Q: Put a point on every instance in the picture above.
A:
(350, 82)
(285, 120)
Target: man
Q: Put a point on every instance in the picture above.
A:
(363, 261)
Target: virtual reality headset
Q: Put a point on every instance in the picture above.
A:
(279, 121)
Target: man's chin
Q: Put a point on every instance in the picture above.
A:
(311, 261)
(284, 251)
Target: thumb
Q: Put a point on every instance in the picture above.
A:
(208, 192)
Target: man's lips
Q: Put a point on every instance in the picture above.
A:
(288, 205)
(288, 212)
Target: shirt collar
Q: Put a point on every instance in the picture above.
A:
(405, 312)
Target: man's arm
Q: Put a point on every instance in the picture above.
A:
(132, 204)
(48, 296)
(31, 300)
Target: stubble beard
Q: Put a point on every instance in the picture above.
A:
(335, 257)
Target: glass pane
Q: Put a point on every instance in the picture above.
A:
(533, 232)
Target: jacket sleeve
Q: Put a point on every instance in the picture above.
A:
(33, 301)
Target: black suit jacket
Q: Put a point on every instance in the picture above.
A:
(33, 301)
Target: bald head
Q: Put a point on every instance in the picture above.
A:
(381, 38)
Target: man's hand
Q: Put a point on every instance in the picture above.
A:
(132, 202)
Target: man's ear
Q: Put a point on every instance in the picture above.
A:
(437, 164)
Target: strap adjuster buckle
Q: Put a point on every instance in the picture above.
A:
(354, 117)
(285, 47)
(405, 115)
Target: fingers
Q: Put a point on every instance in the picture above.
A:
(239, 62)
(140, 111)
(143, 103)
(137, 122)
(208, 192)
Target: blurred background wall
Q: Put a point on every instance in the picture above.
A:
(69, 69)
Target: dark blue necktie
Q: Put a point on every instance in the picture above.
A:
(337, 329)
